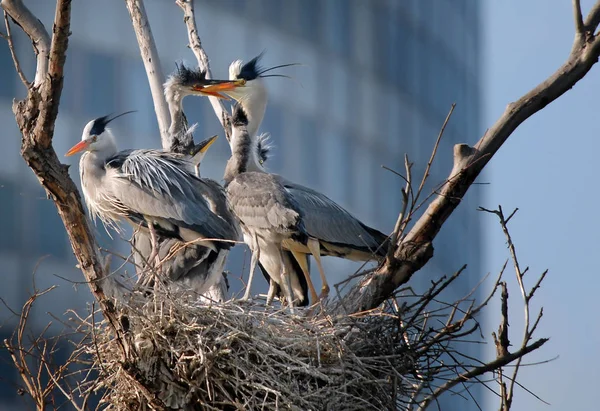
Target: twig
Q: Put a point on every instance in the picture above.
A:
(579, 27)
(433, 153)
(13, 52)
(195, 45)
(151, 60)
(493, 365)
(36, 32)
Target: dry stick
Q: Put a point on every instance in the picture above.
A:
(195, 45)
(36, 32)
(151, 60)
(416, 249)
(433, 153)
(493, 365)
(402, 220)
(13, 53)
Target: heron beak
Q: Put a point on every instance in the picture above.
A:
(218, 87)
(81, 146)
(204, 145)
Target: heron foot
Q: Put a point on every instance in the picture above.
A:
(324, 292)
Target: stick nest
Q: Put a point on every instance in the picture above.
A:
(178, 354)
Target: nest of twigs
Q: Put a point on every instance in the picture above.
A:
(231, 356)
(179, 354)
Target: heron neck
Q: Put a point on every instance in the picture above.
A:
(180, 140)
(239, 161)
(255, 106)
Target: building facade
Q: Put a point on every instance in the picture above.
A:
(377, 80)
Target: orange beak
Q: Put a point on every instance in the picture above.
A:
(215, 90)
(82, 145)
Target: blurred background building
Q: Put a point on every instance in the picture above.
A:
(377, 81)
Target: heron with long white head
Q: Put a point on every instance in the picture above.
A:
(331, 230)
(156, 191)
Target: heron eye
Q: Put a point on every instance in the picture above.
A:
(261, 161)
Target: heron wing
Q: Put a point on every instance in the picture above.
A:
(325, 220)
(262, 203)
(159, 186)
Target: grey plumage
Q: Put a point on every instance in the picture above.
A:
(193, 266)
(339, 232)
(155, 191)
(267, 214)
(334, 230)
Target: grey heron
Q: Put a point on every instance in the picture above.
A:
(267, 214)
(332, 230)
(156, 191)
(185, 264)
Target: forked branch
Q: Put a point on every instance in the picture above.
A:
(412, 252)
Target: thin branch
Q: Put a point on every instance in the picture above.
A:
(434, 152)
(151, 60)
(13, 52)
(579, 28)
(195, 45)
(477, 371)
(34, 28)
(593, 18)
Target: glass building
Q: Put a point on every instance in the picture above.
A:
(377, 80)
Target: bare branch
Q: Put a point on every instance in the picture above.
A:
(477, 371)
(13, 53)
(36, 32)
(579, 28)
(593, 18)
(434, 152)
(149, 54)
(416, 248)
(195, 45)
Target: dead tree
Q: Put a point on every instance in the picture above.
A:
(411, 245)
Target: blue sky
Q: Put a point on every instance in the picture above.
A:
(548, 170)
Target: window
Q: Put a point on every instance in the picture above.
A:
(340, 86)
(99, 83)
(309, 155)
(7, 71)
(305, 18)
(273, 124)
(10, 215)
(381, 55)
(136, 96)
(338, 26)
(49, 231)
(272, 11)
(334, 175)
(363, 189)
(402, 54)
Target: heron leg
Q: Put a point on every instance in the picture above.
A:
(315, 250)
(154, 243)
(273, 290)
(302, 261)
(254, 260)
(286, 284)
